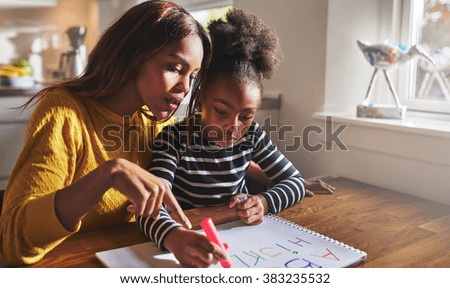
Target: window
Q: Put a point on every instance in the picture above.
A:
(204, 16)
(206, 10)
(427, 23)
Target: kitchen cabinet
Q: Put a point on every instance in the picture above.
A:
(7, 4)
(13, 124)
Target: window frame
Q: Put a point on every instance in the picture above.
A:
(195, 5)
(407, 15)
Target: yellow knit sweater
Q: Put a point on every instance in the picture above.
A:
(67, 137)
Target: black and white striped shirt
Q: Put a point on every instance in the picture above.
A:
(204, 174)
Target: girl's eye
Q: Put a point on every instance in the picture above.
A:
(221, 112)
(247, 118)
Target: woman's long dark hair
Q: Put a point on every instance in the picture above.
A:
(141, 32)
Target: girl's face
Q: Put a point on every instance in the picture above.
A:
(166, 77)
(228, 109)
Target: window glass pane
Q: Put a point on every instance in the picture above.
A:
(433, 81)
(206, 15)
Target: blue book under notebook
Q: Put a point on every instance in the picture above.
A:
(274, 243)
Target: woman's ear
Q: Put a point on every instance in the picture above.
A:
(198, 106)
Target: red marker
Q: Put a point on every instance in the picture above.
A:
(213, 236)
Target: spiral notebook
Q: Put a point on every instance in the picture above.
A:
(276, 242)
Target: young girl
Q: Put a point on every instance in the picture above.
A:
(80, 169)
(205, 158)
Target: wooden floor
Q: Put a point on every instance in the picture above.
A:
(395, 229)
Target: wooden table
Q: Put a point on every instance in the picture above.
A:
(395, 229)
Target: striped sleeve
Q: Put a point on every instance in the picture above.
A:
(157, 230)
(165, 155)
(289, 185)
(164, 163)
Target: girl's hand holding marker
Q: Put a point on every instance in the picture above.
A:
(241, 197)
(250, 209)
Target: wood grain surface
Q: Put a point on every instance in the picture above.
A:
(394, 229)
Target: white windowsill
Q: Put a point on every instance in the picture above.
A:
(410, 155)
(414, 123)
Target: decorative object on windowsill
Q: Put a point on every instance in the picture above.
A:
(436, 73)
(385, 57)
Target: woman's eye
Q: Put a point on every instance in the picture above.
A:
(193, 77)
(174, 68)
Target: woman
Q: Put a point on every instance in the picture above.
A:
(88, 137)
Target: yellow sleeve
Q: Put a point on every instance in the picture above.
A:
(29, 226)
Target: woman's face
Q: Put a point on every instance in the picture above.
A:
(228, 109)
(165, 78)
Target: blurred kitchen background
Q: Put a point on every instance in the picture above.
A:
(37, 30)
